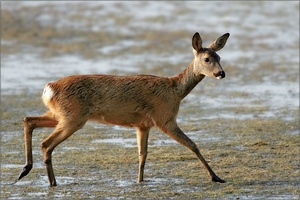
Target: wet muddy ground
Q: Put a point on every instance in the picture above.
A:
(246, 125)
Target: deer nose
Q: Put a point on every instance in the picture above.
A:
(220, 75)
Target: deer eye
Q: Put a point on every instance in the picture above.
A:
(206, 60)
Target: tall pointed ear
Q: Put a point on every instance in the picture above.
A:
(219, 43)
(197, 42)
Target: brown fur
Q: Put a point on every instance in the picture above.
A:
(140, 101)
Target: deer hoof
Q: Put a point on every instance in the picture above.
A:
(217, 179)
(25, 171)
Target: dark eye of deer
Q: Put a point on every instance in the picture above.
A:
(206, 59)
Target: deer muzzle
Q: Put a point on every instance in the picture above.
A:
(220, 75)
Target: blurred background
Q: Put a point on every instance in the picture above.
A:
(54, 39)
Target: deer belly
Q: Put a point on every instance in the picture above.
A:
(133, 119)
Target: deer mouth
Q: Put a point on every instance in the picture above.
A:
(220, 75)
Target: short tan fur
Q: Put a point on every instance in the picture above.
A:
(140, 101)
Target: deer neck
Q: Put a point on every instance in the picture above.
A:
(187, 80)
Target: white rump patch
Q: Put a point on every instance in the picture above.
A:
(47, 94)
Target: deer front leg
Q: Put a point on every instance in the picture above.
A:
(175, 132)
(142, 141)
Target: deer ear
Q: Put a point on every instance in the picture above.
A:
(219, 43)
(197, 42)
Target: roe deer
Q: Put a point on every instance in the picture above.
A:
(140, 101)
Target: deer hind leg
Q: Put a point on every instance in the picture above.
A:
(142, 141)
(176, 133)
(60, 133)
(30, 123)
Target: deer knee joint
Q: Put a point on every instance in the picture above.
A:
(47, 157)
(45, 149)
(26, 120)
(27, 123)
(43, 146)
(47, 161)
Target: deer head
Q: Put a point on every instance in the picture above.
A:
(207, 61)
